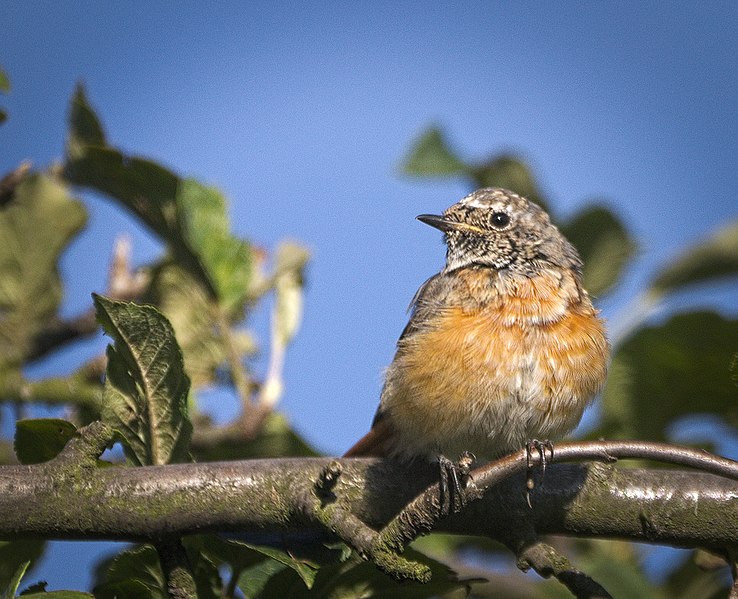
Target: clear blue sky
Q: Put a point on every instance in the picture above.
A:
(301, 112)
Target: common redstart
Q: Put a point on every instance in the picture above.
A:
(503, 345)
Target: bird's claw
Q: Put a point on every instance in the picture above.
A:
(539, 447)
(453, 480)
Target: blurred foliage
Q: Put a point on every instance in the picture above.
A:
(184, 331)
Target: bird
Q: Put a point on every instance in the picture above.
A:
(503, 346)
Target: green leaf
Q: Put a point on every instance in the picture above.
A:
(714, 258)
(275, 439)
(189, 217)
(35, 228)
(665, 372)
(508, 172)
(186, 304)
(359, 579)
(84, 126)
(305, 569)
(604, 245)
(205, 226)
(432, 156)
(133, 574)
(15, 559)
(4, 88)
(41, 439)
(145, 395)
(15, 580)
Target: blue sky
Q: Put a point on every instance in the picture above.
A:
(302, 111)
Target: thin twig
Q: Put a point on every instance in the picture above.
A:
(177, 569)
(547, 562)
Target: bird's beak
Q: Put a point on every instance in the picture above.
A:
(437, 221)
(445, 225)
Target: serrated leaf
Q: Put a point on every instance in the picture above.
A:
(145, 395)
(15, 559)
(508, 172)
(204, 224)
(665, 372)
(431, 155)
(714, 258)
(133, 574)
(42, 439)
(604, 245)
(84, 126)
(35, 228)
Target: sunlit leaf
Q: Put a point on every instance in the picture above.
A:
(432, 156)
(204, 224)
(668, 371)
(35, 228)
(604, 245)
(41, 439)
(145, 396)
(714, 258)
(190, 217)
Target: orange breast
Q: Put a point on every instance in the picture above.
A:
(522, 366)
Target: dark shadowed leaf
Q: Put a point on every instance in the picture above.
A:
(42, 439)
(59, 595)
(34, 228)
(4, 88)
(431, 155)
(604, 245)
(145, 396)
(665, 372)
(133, 574)
(84, 126)
(510, 173)
(715, 258)
(15, 559)
(359, 579)
(275, 439)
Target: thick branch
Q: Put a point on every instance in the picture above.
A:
(266, 497)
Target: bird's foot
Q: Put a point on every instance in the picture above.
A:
(541, 448)
(454, 477)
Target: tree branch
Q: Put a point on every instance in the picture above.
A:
(267, 497)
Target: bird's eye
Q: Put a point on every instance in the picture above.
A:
(500, 220)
